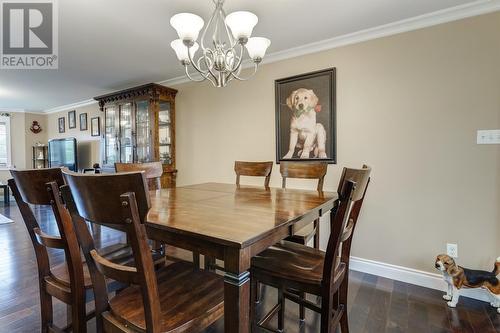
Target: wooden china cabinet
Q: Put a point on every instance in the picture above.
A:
(138, 127)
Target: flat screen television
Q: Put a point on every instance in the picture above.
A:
(62, 153)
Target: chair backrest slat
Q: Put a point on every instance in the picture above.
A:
(32, 184)
(253, 169)
(152, 170)
(93, 195)
(304, 170)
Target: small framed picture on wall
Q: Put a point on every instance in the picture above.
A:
(61, 124)
(83, 122)
(95, 126)
(72, 119)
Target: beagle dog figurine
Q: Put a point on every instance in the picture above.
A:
(305, 133)
(458, 277)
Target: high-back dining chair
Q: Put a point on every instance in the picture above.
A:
(68, 281)
(177, 298)
(305, 170)
(152, 170)
(253, 169)
(297, 269)
(358, 176)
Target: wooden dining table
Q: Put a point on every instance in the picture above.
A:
(232, 223)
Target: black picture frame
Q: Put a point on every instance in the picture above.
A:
(83, 122)
(95, 126)
(61, 123)
(301, 97)
(72, 119)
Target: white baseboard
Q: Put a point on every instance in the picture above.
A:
(412, 276)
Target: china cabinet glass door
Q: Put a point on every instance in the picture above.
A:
(165, 133)
(111, 135)
(143, 132)
(126, 139)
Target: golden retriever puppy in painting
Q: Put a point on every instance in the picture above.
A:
(305, 133)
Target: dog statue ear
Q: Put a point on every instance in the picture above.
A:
(289, 100)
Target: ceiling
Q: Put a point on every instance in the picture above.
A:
(114, 44)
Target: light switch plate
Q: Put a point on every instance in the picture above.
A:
(488, 137)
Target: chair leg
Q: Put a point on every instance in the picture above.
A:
(46, 310)
(210, 263)
(302, 309)
(196, 260)
(316, 234)
(281, 311)
(253, 300)
(344, 320)
(78, 316)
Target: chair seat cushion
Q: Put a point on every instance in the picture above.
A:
(294, 263)
(189, 299)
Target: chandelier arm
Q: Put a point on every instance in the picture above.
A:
(204, 33)
(248, 77)
(193, 63)
(194, 79)
(209, 66)
(238, 64)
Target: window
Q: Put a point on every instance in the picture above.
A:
(5, 142)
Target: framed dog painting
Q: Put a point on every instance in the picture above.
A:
(305, 117)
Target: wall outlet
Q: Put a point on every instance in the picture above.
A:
(488, 137)
(452, 250)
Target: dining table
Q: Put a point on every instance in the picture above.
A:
(233, 223)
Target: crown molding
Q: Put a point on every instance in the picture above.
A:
(7, 110)
(71, 106)
(414, 23)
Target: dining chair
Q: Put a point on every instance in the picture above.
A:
(177, 298)
(153, 171)
(69, 281)
(295, 269)
(253, 169)
(305, 170)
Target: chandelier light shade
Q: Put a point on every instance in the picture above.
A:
(230, 37)
(256, 47)
(241, 24)
(182, 51)
(187, 25)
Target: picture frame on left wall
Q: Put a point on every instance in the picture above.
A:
(72, 119)
(83, 122)
(61, 124)
(95, 126)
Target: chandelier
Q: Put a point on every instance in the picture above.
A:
(231, 35)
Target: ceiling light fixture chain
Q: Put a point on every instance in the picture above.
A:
(223, 61)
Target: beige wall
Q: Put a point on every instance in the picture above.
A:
(22, 139)
(31, 138)
(90, 145)
(409, 105)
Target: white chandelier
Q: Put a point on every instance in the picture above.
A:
(222, 63)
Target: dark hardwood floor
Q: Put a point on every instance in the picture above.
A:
(375, 304)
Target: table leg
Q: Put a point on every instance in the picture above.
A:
(236, 302)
